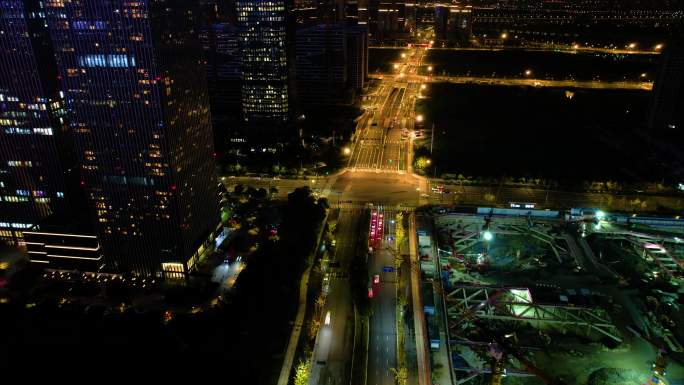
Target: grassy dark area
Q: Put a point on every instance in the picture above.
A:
(244, 336)
(544, 65)
(314, 146)
(489, 131)
(382, 59)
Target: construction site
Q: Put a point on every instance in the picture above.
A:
(524, 296)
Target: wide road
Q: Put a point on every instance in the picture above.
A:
(382, 141)
(382, 344)
(531, 82)
(331, 359)
(547, 48)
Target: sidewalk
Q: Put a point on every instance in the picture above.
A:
(296, 330)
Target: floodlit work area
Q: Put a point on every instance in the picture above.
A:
(545, 297)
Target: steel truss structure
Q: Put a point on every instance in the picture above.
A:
(516, 305)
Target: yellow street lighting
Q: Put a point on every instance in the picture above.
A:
(403, 55)
(423, 86)
(347, 151)
(428, 161)
(419, 118)
(575, 46)
(528, 72)
(658, 47)
(432, 42)
(644, 75)
(632, 45)
(396, 66)
(429, 68)
(504, 35)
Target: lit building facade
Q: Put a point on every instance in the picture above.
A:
(138, 108)
(32, 178)
(263, 29)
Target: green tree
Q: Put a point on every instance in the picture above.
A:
(302, 373)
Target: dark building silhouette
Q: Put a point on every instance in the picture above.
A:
(220, 42)
(666, 110)
(136, 94)
(453, 24)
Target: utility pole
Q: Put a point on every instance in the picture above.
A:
(432, 137)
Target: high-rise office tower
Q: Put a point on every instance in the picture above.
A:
(332, 63)
(322, 65)
(32, 174)
(666, 110)
(138, 107)
(357, 56)
(263, 29)
(222, 54)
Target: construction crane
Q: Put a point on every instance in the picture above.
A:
(498, 365)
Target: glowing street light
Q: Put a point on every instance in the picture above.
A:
(429, 68)
(504, 36)
(347, 151)
(575, 46)
(643, 75)
(658, 47)
(528, 72)
(419, 118)
(632, 45)
(396, 66)
(488, 235)
(423, 86)
(428, 161)
(403, 55)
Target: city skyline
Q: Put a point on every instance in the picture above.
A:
(326, 192)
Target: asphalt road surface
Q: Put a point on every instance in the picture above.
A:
(382, 344)
(332, 352)
(383, 135)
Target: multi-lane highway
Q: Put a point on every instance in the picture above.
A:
(532, 82)
(331, 358)
(382, 141)
(382, 341)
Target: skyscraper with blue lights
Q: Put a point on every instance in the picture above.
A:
(136, 94)
(32, 174)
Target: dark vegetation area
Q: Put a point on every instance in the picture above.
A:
(242, 337)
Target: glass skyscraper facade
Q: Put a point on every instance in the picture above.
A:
(262, 30)
(32, 181)
(136, 94)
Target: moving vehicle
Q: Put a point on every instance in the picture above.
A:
(376, 279)
(327, 318)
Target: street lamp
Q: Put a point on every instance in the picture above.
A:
(419, 118)
(423, 86)
(504, 36)
(632, 45)
(428, 161)
(658, 47)
(403, 55)
(643, 75)
(528, 72)
(488, 235)
(429, 68)
(396, 66)
(347, 151)
(575, 46)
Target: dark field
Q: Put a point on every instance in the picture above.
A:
(532, 132)
(514, 63)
